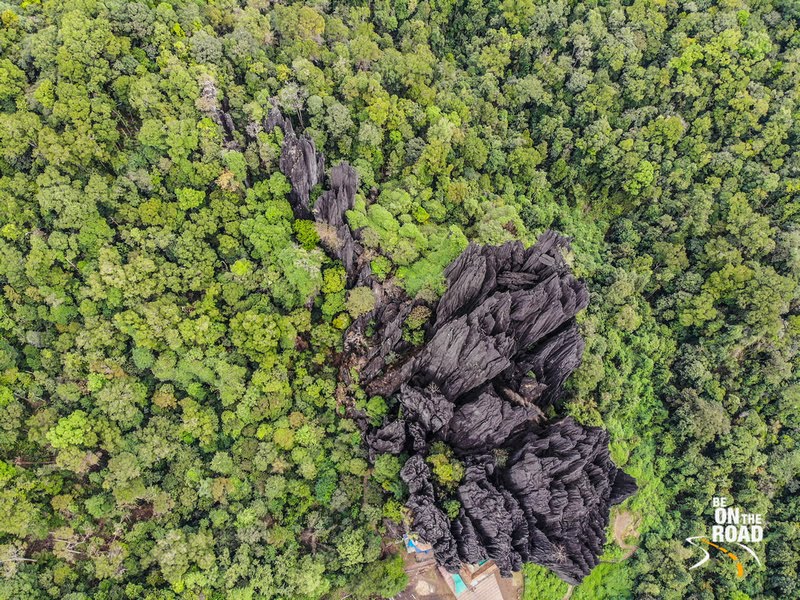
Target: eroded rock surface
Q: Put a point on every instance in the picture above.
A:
(304, 166)
(502, 344)
(299, 161)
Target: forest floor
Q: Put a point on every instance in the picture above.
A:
(626, 526)
(512, 587)
(424, 581)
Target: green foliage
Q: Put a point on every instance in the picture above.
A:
(376, 409)
(606, 581)
(447, 470)
(188, 198)
(384, 579)
(334, 280)
(306, 233)
(386, 468)
(452, 508)
(170, 417)
(360, 300)
(541, 584)
(427, 273)
(350, 547)
(74, 430)
(412, 327)
(381, 267)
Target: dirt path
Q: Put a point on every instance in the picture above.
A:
(424, 581)
(625, 525)
(511, 587)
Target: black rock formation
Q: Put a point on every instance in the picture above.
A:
(300, 162)
(494, 359)
(502, 344)
(429, 520)
(329, 211)
(564, 480)
(488, 422)
(427, 407)
(305, 168)
(390, 438)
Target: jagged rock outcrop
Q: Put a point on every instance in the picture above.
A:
(209, 104)
(503, 342)
(305, 168)
(428, 407)
(390, 438)
(494, 359)
(488, 422)
(564, 480)
(532, 295)
(299, 161)
(429, 520)
(375, 354)
(329, 212)
(507, 311)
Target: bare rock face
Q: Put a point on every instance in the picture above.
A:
(487, 422)
(428, 407)
(390, 438)
(507, 313)
(377, 353)
(528, 296)
(300, 162)
(330, 211)
(564, 480)
(493, 361)
(469, 351)
(305, 168)
(429, 520)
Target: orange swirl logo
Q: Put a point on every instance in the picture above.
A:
(731, 527)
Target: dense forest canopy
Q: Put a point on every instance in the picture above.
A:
(172, 418)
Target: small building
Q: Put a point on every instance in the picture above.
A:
(423, 550)
(474, 582)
